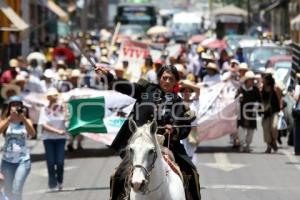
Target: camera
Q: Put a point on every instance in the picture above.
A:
(21, 110)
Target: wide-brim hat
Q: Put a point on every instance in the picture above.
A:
(207, 56)
(75, 73)
(13, 62)
(234, 61)
(188, 82)
(213, 66)
(180, 68)
(269, 70)
(48, 73)
(8, 87)
(52, 92)
(119, 67)
(243, 66)
(249, 75)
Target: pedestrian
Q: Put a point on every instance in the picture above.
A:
(156, 102)
(271, 106)
(213, 75)
(16, 162)
(249, 96)
(54, 136)
(296, 116)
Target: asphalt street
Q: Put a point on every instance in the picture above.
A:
(225, 173)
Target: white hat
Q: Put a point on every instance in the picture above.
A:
(61, 62)
(234, 61)
(19, 78)
(243, 66)
(207, 56)
(13, 62)
(52, 92)
(9, 87)
(249, 75)
(48, 73)
(298, 75)
(119, 67)
(212, 65)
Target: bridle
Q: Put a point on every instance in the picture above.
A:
(147, 171)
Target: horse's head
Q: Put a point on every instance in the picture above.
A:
(143, 153)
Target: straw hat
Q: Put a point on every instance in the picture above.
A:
(243, 66)
(207, 56)
(269, 70)
(52, 92)
(180, 68)
(119, 68)
(19, 78)
(213, 66)
(9, 87)
(187, 85)
(249, 75)
(13, 62)
(75, 73)
(200, 49)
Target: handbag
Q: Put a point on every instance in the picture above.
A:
(296, 110)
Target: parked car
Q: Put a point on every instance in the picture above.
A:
(260, 55)
(282, 66)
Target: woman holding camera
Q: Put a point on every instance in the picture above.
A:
(16, 162)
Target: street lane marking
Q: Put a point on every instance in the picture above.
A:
(249, 187)
(223, 163)
(292, 158)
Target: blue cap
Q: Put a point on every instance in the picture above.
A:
(15, 99)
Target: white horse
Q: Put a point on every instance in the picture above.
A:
(152, 178)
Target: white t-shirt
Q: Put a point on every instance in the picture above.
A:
(53, 117)
(211, 80)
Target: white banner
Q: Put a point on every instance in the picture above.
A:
(217, 113)
(135, 53)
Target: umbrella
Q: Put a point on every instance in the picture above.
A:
(197, 38)
(65, 52)
(40, 57)
(214, 44)
(157, 30)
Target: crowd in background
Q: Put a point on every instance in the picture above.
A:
(62, 67)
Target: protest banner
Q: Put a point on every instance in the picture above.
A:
(217, 112)
(135, 53)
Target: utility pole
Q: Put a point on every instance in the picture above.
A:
(249, 13)
(83, 19)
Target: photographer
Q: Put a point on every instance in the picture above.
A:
(16, 162)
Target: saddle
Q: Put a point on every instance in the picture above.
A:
(168, 156)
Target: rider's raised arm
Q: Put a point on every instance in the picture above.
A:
(123, 86)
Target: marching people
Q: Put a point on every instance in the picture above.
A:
(249, 96)
(151, 98)
(16, 163)
(271, 106)
(190, 93)
(54, 135)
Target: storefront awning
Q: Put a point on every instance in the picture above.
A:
(18, 23)
(295, 23)
(231, 10)
(57, 10)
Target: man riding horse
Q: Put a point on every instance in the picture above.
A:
(161, 103)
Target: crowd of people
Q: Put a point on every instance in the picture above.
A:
(60, 68)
